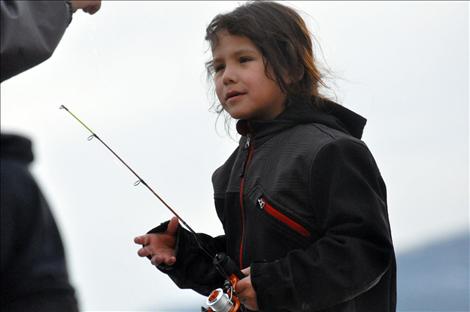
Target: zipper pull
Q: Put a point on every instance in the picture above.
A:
(261, 203)
(248, 141)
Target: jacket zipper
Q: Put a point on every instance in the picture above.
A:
(297, 227)
(249, 146)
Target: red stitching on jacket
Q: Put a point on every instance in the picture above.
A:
(242, 185)
(242, 182)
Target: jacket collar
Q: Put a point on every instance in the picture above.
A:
(303, 111)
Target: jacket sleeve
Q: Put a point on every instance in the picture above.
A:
(31, 251)
(30, 31)
(354, 248)
(193, 268)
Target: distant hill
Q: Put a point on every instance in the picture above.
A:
(435, 277)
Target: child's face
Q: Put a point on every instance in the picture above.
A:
(241, 83)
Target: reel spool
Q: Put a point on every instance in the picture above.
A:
(218, 301)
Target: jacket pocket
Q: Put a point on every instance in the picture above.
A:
(269, 209)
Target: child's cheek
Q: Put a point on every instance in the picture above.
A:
(219, 92)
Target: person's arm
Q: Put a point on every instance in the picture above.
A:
(31, 30)
(31, 250)
(355, 248)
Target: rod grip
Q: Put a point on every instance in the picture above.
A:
(227, 266)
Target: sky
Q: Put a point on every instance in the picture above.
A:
(134, 72)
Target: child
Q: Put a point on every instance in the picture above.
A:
(301, 200)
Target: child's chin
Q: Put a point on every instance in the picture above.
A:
(238, 115)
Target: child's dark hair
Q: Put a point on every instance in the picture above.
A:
(283, 39)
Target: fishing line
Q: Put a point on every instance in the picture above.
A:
(140, 180)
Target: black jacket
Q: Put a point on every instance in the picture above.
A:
(33, 268)
(303, 203)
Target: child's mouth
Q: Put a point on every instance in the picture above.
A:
(233, 95)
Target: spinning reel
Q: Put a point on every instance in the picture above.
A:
(225, 300)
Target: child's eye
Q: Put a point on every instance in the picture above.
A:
(218, 67)
(244, 59)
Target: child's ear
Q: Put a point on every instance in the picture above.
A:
(294, 76)
(301, 73)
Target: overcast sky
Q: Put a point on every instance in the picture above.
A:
(135, 73)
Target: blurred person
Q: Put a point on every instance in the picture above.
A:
(33, 265)
(301, 199)
(31, 30)
(34, 274)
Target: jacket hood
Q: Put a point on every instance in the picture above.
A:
(312, 110)
(16, 147)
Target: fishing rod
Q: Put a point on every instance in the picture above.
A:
(140, 180)
(224, 300)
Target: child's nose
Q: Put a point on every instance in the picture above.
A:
(230, 75)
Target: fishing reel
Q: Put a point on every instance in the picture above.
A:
(225, 300)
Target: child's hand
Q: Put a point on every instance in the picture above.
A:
(246, 292)
(160, 247)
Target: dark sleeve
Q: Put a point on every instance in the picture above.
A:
(31, 251)
(30, 31)
(193, 268)
(18, 210)
(354, 249)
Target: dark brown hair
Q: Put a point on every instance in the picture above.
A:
(281, 35)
